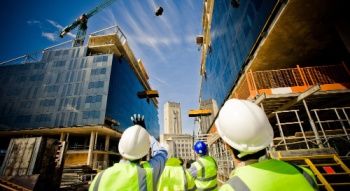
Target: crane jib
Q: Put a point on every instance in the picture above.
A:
(82, 23)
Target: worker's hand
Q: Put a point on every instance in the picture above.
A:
(138, 120)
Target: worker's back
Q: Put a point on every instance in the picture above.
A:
(175, 177)
(270, 175)
(206, 173)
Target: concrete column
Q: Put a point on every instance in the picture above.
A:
(91, 147)
(106, 149)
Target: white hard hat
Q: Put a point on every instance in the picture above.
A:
(244, 126)
(134, 143)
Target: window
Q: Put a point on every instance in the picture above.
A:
(91, 114)
(59, 64)
(98, 84)
(43, 117)
(21, 79)
(98, 71)
(93, 99)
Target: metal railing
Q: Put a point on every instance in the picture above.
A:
(101, 147)
(332, 123)
(257, 82)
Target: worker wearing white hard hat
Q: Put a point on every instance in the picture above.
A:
(246, 131)
(129, 174)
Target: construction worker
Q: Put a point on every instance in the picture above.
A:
(204, 169)
(175, 177)
(129, 174)
(246, 131)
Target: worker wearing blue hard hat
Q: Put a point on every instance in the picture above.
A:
(204, 169)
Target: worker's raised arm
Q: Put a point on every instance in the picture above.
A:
(158, 160)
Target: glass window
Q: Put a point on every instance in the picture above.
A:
(103, 71)
(88, 99)
(67, 76)
(96, 114)
(58, 78)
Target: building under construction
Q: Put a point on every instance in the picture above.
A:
(83, 95)
(290, 57)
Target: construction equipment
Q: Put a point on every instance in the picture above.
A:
(34, 163)
(331, 173)
(82, 23)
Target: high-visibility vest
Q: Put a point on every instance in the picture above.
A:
(123, 176)
(175, 177)
(271, 175)
(207, 173)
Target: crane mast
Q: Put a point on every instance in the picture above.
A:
(82, 23)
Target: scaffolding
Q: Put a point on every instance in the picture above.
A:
(286, 96)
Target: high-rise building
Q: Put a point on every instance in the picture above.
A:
(180, 145)
(289, 57)
(205, 121)
(172, 118)
(85, 95)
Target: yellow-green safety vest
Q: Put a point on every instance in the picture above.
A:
(175, 177)
(271, 175)
(206, 179)
(123, 176)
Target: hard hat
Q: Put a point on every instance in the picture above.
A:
(134, 143)
(244, 126)
(200, 148)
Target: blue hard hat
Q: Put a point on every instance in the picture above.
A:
(200, 148)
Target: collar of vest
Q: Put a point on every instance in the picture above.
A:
(173, 162)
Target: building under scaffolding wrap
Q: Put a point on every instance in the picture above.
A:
(292, 59)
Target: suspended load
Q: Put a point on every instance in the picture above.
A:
(159, 11)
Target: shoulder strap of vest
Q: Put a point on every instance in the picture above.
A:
(142, 172)
(97, 183)
(307, 176)
(203, 169)
(237, 184)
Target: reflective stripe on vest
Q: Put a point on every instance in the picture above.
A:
(238, 184)
(207, 173)
(149, 175)
(120, 171)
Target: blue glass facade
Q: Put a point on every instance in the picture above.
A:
(233, 33)
(67, 88)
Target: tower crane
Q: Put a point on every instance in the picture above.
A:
(82, 23)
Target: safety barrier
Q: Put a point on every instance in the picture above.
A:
(291, 80)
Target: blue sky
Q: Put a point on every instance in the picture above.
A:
(165, 44)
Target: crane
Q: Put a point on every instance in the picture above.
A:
(82, 23)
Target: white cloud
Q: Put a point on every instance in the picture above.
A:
(33, 22)
(51, 36)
